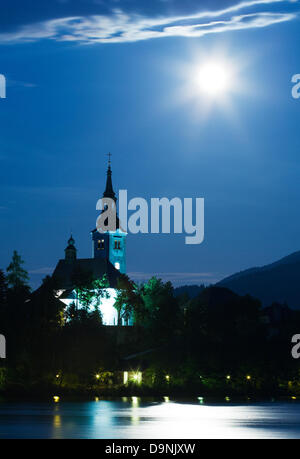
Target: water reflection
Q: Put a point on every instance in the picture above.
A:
(57, 420)
(133, 417)
(135, 401)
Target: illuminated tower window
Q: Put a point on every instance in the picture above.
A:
(100, 244)
(117, 245)
(117, 265)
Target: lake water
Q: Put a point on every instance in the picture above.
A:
(134, 418)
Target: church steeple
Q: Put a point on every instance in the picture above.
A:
(70, 250)
(109, 192)
(110, 245)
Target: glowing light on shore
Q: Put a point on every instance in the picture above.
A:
(137, 377)
(135, 401)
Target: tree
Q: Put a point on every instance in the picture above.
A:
(161, 315)
(42, 321)
(91, 293)
(18, 294)
(220, 325)
(3, 296)
(46, 311)
(3, 289)
(17, 312)
(128, 302)
(17, 277)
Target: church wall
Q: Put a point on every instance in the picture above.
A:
(108, 312)
(117, 256)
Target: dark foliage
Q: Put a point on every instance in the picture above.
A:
(206, 344)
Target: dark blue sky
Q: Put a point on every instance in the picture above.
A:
(88, 77)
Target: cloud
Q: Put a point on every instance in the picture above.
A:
(20, 84)
(179, 278)
(119, 26)
(45, 270)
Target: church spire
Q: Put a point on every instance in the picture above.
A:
(70, 250)
(109, 192)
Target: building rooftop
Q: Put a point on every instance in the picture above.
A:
(66, 271)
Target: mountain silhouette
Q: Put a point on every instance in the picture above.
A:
(277, 282)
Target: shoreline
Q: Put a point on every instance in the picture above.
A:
(97, 396)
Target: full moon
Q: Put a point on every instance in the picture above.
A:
(210, 81)
(214, 79)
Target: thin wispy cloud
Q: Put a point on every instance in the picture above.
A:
(20, 84)
(178, 278)
(43, 270)
(120, 26)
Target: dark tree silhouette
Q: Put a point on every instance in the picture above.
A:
(16, 275)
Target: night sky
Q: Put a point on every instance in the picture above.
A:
(88, 77)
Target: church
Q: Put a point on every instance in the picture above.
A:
(109, 260)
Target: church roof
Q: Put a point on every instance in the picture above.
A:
(109, 191)
(97, 267)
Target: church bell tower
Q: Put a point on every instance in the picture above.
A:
(110, 245)
(70, 250)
